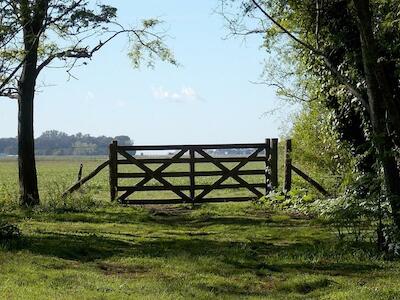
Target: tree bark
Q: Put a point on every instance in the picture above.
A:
(378, 92)
(32, 26)
(29, 194)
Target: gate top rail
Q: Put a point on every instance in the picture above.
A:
(192, 146)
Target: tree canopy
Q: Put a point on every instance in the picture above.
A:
(65, 31)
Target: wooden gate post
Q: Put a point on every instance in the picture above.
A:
(267, 166)
(113, 170)
(274, 164)
(192, 176)
(288, 166)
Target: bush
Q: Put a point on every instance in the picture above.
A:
(360, 213)
(318, 151)
(297, 200)
(349, 216)
(9, 232)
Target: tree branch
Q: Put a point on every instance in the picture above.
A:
(343, 80)
(9, 77)
(317, 20)
(11, 93)
(77, 53)
(67, 11)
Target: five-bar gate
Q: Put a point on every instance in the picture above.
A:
(193, 155)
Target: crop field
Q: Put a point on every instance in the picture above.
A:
(85, 247)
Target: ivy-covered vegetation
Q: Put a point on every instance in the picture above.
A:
(339, 60)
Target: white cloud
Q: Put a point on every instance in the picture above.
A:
(184, 95)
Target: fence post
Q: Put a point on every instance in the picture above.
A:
(80, 172)
(192, 175)
(113, 169)
(274, 164)
(288, 166)
(267, 166)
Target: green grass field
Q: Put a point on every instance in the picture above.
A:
(88, 248)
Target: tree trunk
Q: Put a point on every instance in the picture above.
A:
(29, 194)
(377, 92)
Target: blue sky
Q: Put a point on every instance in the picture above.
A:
(208, 99)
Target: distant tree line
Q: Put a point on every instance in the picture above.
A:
(54, 142)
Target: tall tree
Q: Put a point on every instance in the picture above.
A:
(350, 49)
(36, 33)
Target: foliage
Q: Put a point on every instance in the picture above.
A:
(318, 150)
(9, 232)
(340, 59)
(391, 239)
(69, 31)
(359, 211)
(298, 200)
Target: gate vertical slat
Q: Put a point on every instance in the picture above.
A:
(113, 169)
(274, 164)
(192, 175)
(267, 166)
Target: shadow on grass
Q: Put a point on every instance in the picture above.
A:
(229, 258)
(95, 217)
(147, 218)
(236, 256)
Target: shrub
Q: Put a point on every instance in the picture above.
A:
(9, 232)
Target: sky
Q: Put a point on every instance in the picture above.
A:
(209, 98)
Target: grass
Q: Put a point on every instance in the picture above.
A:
(213, 251)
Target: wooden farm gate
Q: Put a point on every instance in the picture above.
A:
(193, 155)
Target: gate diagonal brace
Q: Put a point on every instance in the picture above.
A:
(229, 173)
(156, 174)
